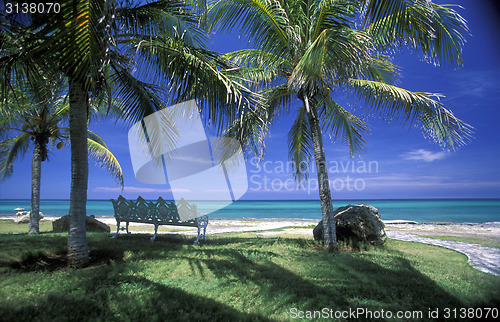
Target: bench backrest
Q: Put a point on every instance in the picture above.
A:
(148, 211)
(122, 207)
(166, 211)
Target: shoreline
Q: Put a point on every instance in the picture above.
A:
(273, 219)
(268, 226)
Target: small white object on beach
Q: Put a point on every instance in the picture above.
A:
(19, 209)
(24, 217)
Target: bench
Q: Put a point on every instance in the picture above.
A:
(157, 213)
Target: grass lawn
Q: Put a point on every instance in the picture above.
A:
(230, 277)
(8, 226)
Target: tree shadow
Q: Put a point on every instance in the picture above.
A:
(340, 281)
(48, 252)
(111, 295)
(376, 286)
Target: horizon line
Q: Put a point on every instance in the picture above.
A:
(343, 199)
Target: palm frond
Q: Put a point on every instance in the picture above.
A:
(62, 111)
(414, 108)
(300, 145)
(266, 63)
(252, 127)
(258, 77)
(264, 22)
(279, 98)
(335, 54)
(342, 124)
(333, 14)
(10, 149)
(200, 74)
(448, 39)
(377, 10)
(104, 158)
(169, 18)
(435, 30)
(96, 138)
(138, 99)
(382, 70)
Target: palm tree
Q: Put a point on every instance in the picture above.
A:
(135, 51)
(317, 50)
(42, 124)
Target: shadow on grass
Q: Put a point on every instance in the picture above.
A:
(280, 273)
(106, 295)
(334, 281)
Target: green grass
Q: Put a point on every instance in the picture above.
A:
(9, 226)
(491, 242)
(289, 227)
(230, 277)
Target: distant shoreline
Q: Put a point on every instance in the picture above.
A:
(288, 200)
(300, 226)
(251, 219)
(420, 211)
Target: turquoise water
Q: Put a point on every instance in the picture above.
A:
(442, 210)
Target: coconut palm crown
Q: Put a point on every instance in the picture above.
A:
(23, 122)
(315, 51)
(140, 52)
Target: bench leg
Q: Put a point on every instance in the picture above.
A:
(202, 223)
(154, 236)
(198, 238)
(205, 225)
(117, 229)
(128, 232)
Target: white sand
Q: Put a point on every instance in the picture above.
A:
(485, 230)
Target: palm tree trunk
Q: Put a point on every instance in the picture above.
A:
(36, 175)
(329, 233)
(78, 253)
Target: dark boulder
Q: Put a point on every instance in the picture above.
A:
(357, 223)
(61, 225)
(318, 231)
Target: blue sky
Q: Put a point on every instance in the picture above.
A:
(397, 162)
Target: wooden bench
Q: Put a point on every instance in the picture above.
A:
(157, 213)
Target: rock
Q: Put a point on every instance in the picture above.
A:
(356, 223)
(318, 231)
(23, 217)
(24, 213)
(61, 225)
(360, 222)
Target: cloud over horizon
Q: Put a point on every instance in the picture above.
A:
(425, 155)
(137, 190)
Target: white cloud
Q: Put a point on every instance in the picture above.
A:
(425, 155)
(137, 190)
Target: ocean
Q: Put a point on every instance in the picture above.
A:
(419, 210)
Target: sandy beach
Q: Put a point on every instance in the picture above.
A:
(299, 226)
